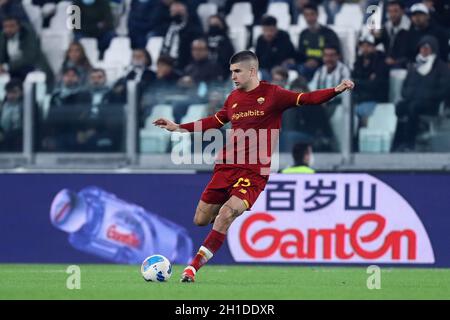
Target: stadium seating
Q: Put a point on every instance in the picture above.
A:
(336, 121)
(396, 78)
(348, 40)
(154, 46)
(4, 79)
(256, 32)
(204, 11)
(240, 15)
(378, 136)
(35, 16)
(294, 34)
(350, 16)
(152, 138)
(280, 10)
(119, 51)
(239, 37)
(292, 75)
(59, 20)
(195, 112)
(54, 45)
(91, 48)
(113, 71)
(122, 28)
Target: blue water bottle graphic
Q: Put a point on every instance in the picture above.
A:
(100, 223)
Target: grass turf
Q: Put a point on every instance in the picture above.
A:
(39, 281)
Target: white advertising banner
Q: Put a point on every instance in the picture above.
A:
(330, 218)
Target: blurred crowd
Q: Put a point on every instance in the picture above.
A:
(86, 109)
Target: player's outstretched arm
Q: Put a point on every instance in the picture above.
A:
(166, 124)
(199, 125)
(323, 95)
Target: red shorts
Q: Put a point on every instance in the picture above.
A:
(227, 182)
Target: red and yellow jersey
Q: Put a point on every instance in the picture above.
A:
(255, 118)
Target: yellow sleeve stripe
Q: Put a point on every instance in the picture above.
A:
(218, 119)
(246, 203)
(298, 99)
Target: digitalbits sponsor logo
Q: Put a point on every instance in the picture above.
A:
(242, 147)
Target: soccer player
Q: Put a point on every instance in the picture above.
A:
(234, 187)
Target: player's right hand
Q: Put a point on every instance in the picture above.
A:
(166, 124)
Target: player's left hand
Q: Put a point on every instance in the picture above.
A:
(344, 85)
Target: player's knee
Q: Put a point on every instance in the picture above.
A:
(200, 221)
(227, 214)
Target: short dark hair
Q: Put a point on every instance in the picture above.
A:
(10, 18)
(282, 71)
(222, 20)
(69, 69)
(396, 3)
(299, 151)
(166, 59)
(147, 55)
(332, 47)
(241, 56)
(269, 21)
(98, 70)
(202, 39)
(311, 6)
(13, 84)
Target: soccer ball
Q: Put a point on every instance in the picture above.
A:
(156, 268)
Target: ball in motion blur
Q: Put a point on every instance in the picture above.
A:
(156, 268)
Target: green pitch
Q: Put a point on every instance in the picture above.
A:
(38, 281)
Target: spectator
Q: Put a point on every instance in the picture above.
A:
(76, 58)
(421, 26)
(423, 90)
(20, 51)
(163, 89)
(297, 9)
(146, 19)
(199, 76)
(13, 8)
(371, 75)
(104, 123)
(98, 86)
(182, 31)
(202, 69)
(11, 118)
(166, 74)
(303, 159)
(394, 35)
(279, 76)
(312, 42)
(69, 106)
(97, 22)
(219, 44)
(140, 68)
(330, 74)
(273, 47)
(139, 71)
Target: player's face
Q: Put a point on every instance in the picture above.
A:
(241, 74)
